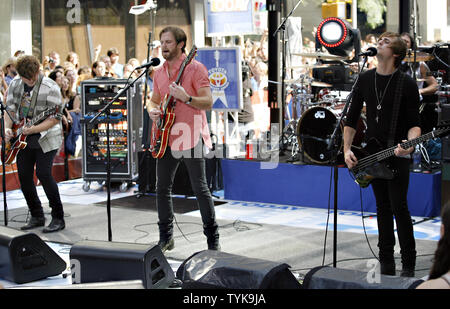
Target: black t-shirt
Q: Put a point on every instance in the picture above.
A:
(408, 115)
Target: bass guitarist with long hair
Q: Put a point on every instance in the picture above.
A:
(392, 104)
(181, 95)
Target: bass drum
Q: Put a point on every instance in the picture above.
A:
(314, 131)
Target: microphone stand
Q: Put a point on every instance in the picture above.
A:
(282, 27)
(333, 145)
(3, 156)
(105, 110)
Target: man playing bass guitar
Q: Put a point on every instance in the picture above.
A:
(29, 95)
(387, 92)
(188, 135)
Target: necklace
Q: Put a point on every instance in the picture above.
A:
(380, 100)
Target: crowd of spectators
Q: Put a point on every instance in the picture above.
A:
(68, 73)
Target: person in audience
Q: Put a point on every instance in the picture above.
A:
(53, 60)
(439, 277)
(116, 67)
(73, 58)
(9, 70)
(98, 69)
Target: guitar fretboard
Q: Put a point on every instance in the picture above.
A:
(389, 152)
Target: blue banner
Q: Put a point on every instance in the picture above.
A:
(228, 17)
(225, 75)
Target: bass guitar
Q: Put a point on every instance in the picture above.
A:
(161, 128)
(18, 142)
(371, 166)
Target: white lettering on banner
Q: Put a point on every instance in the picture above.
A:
(218, 6)
(74, 15)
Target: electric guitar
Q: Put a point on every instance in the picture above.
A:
(371, 165)
(161, 128)
(18, 142)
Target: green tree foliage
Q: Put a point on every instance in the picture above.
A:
(374, 10)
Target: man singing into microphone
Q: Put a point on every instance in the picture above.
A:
(188, 136)
(387, 92)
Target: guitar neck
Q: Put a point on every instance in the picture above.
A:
(36, 120)
(389, 152)
(180, 74)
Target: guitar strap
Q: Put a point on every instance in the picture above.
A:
(396, 108)
(34, 97)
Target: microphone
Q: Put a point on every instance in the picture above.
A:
(154, 62)
(370, 52)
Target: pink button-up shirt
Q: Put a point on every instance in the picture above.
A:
(190, 122)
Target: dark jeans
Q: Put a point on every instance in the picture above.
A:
(27, 159)
(391, 202)
(166, 168)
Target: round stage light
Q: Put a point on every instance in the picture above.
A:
(338, 37)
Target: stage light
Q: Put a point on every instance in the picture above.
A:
(338, 37)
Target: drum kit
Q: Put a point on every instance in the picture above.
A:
(316, 109)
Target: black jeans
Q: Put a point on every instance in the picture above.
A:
(391, 199)
(166, 168)
(27, 159)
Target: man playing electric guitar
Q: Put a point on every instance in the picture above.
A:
(31, 94)
(392, 110)
(188, 135)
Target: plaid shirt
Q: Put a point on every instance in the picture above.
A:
(49, 96)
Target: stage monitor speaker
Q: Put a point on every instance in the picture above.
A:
(325, 277)
(100, 261)
(24, 257)
(220, 270)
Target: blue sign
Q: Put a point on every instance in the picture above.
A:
(225, 75)
(228, 17)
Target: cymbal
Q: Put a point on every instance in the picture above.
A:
(320, 84)
(420, 56)
(307, 66)
(320, 55)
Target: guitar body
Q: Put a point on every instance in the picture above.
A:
(161, 129)
(13, 147)
(160, 134)
(378, 169)
(18, 142)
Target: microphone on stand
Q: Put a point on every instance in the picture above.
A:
(370, 52)
(154, 62)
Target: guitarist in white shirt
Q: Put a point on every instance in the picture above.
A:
(29, 95)
(377, 89)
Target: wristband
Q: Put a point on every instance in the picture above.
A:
(188, 102)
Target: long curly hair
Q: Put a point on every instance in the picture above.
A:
(441, 263)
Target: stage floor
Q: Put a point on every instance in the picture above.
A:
(299, 236)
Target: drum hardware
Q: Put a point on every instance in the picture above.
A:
(419, 57)
(320, 84)
(306, 66)
(289, 139)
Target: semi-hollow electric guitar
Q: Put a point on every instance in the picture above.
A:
(371, 165)
(18, 142)
(161, 128)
